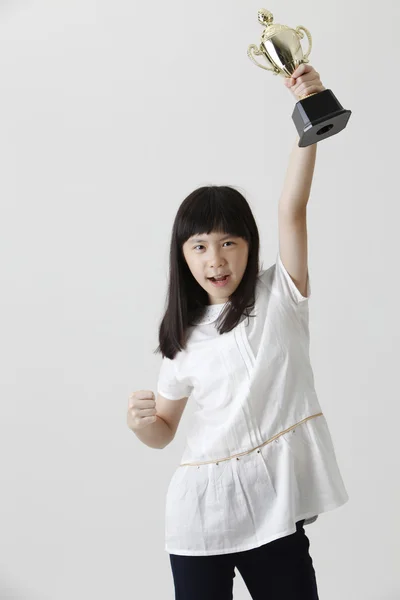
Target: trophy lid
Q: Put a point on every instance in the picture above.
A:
(265, 17)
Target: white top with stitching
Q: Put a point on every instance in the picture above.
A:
(259, 455)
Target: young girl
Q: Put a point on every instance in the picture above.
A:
(259, 461)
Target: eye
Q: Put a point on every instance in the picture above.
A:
(201, 246)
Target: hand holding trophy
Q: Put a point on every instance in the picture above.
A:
(318, 114)
(304, 81)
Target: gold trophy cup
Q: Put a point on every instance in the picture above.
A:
(316, 116)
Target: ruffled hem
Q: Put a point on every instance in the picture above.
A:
(242, 504)
(249, 546)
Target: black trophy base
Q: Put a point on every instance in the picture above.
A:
(318, 117)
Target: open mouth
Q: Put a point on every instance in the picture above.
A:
(219, 282)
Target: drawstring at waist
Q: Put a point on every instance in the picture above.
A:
(218, 460)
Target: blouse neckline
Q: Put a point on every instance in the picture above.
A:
(211, 313)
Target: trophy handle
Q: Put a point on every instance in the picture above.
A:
(258, 53)
(301, 35)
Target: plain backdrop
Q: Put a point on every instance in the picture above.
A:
(111, 114)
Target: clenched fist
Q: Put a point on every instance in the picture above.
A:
(141, 410)
(304, 80)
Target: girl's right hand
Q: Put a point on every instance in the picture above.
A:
(141, 410)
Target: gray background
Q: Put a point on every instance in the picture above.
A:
(111, 113)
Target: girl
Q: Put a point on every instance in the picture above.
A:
(259, 461)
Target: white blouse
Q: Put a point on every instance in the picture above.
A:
(259, 455)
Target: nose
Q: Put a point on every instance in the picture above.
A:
(217, 261)
(216, 257)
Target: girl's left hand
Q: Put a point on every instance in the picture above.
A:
(304, 80)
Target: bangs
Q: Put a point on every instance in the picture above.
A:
(211, 209)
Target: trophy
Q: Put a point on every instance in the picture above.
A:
(316, 116)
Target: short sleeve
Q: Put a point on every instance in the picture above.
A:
(170, 385)
(285, 285)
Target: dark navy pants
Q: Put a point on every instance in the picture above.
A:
(282, 569)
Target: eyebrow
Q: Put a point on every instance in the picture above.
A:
(197, 240)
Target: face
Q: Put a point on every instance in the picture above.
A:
(215, 254)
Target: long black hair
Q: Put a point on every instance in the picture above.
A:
(210, 208)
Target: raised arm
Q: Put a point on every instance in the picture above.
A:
(292, 211)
